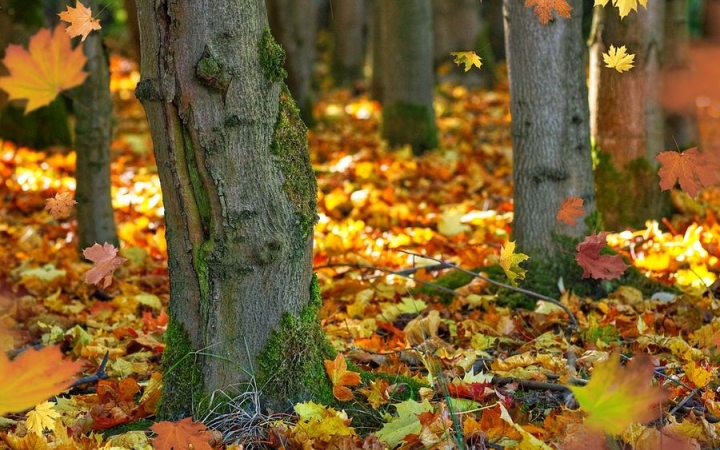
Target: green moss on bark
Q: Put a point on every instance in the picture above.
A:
(272, 57)
(406, 123)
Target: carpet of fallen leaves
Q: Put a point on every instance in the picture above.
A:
(493, 377)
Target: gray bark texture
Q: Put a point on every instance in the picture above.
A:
(550, 125)
(348, 20)
(240, 202)
(408, 75)
(92, 103)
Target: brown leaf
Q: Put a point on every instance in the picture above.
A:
(60, 205)
(596, 265)
(106, 261)
(181, 435)
(690, 168)
(544, 9)
(571, 209)
(341, 378)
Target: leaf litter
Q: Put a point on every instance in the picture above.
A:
(489, 376)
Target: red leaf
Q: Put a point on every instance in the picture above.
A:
(596, 265)
(181, 435)
(691, 169)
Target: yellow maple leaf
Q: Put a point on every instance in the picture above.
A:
(468, 58)
(624, 6)
(42, 417)
(697, 374)
(39, 74)
(33, 377)
(617, 396)
(544, 9)
(510, 262)
(81, 21)
(618, 59)
(341, 377)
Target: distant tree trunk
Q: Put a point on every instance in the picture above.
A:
(626, 119)
(711, 20)
(550, 125)
(240, 203)
(408, 78)
(680, 126)
(348, 19)
(93, 135)
(376, 52)
(133, 28)
(492, 11)
(294, 23)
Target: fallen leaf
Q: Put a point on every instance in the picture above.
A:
(544, 9)
(571, 209)
(48, 68)
(617, 396)
(81, 21)
(406, 423)
(181, 435)
(510, 262)
(596, 265)
(106, 261)
(690, 168)
(60, 205)
(33, 377)
(341, 378)
(41, 417)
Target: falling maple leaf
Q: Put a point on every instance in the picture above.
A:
(618, 59)
(106, 261)
(596, 265)
(690, 168)
(468, 58)
(624, 6)
(40, 74)
(544, 9)
(341, 377)
(33, 377)
(41, 417)
(510, 262)
(81, 21)
(617, 396)
(181, 435)
(60, 205)
(571, 209)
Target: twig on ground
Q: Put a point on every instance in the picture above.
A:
(100, 374)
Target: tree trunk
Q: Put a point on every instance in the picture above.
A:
(408, 116)
(295, 22)
(93, 134)
(680, 126)
(626, 119)
(711, 20)
(376, 51)
(240, 204)
(348, 21)
(550, 124)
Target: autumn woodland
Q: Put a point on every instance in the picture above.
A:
(359, 224)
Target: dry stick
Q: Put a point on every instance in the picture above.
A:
(405, 273)
(573, 320)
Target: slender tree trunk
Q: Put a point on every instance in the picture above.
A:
(627, 120)
(550, 124)
(294, 23)
(711, 20)
(93, 134)
(408, 77)
(680, 126)
(348, 19)
(239, 194)
(376, 52)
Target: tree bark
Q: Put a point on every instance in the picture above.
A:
(92, 103)
(626, 118)
(550, 124)
(680, 126)
(240, 204)
(376, 52)
(408, 78)
(348, 21)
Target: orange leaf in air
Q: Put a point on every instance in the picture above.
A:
(691, 168)
(106, 261)
(544, 9)
(341, 378)
(181, 435)
(571, 209)
(40, 74)
(81, 21)
(593, 263)
(33, 377)
(60, 205)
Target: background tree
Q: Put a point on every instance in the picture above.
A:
(408, 116)
(550, 124)
(680, 126)
(626, 118)
(348, 19)
(240, 204)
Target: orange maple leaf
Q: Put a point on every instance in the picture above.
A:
(81, 21)
(690, 168)
(571, 209)
(544, 9)
(181, 435)
(617, 396)
(33, 377)
(341, 378)
(40, 74)
(60, 205)
(593, 263)
(106, 261)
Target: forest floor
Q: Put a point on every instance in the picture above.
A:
(493, 376)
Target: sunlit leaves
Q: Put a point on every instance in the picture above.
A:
(618, 59)
(469, 59)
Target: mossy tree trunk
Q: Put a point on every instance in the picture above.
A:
(550, 126)
(92, 103)
(240, 204)
(408, 116)
(627, 120)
